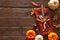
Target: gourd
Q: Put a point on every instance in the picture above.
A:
(53, 4)
(39, 37)
(52, 36)
(30, 34)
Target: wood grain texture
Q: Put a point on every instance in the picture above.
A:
(14, 22)
(15, 18)
(14, 31)
(12, 38)
(22, 3)
(19, 16)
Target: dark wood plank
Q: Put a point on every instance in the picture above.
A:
(21, 3)
(15, 3)
(15, 17)
(12, 38)
(15, 12)
(15, 20)
(14, 31)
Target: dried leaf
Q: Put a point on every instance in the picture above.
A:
(57, 25)
(33, 3)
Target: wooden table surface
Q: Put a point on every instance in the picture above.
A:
(15, 18)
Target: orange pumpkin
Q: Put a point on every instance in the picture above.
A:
(52, 36)
(30, 34)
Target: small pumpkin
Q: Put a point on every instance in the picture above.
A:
(53, 4)
(30, 34)
(53, 36)
(39, 37)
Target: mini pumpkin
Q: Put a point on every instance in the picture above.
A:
(53, 4)
(30, 34)
(39, 37)
(53, 36)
